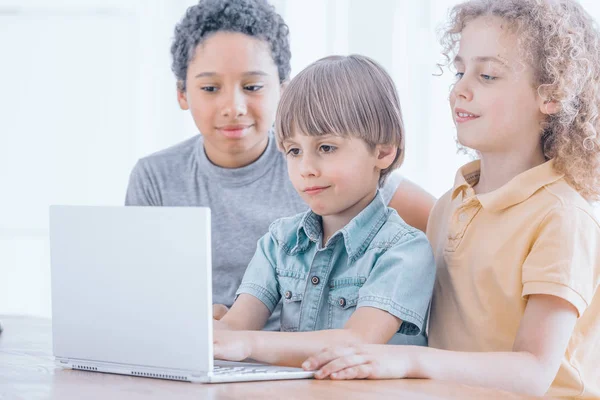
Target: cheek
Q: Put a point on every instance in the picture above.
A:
(292, 170)
(501, 109)
(264, 108)
(346, 176)
(204, 112)
(451, 102)
(293, 173)
(452, 99)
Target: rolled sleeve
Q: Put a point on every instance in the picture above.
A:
(564, 260)
(260, 278)
(401, 282)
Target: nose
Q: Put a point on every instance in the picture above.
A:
(308, 166)
(234, 104)
(462, 90)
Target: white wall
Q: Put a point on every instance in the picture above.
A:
(86, 89)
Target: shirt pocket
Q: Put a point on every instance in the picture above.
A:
(343, 298)
(292, 293)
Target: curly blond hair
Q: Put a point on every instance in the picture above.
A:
(561, 42)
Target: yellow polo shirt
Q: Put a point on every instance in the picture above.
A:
(534, 235)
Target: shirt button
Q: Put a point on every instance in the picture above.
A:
(315, 280)
(288, 295)
(463, 217)
(342, 302)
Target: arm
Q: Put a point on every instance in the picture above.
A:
(413, 204)
(530, 367)
(257, 295)
(247, 313)
(366, 325)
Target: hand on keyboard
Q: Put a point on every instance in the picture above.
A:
(231, 345)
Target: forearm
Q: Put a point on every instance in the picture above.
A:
(513, 371)
(247, 313)
(231, 323)
(293, 348)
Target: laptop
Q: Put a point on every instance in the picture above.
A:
(132, 295)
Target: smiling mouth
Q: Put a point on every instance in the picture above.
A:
(315, 189)
(464, 116)
(234, 131)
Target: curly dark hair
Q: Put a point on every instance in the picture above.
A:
(255, 18)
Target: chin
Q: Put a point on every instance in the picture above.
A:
(241, 144)
(469, 142)
(319, 209)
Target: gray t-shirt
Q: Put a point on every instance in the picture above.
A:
(243, 202)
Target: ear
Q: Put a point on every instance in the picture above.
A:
(386, 154)
(182, 96)
(549, 107)
(546, 104)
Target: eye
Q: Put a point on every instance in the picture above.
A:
(209, 89)
(488, 77)
(293, 151)
(253, 88)
(459, 75)
(326, 148)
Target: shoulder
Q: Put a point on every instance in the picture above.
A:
(559, 207)
(396, 233)
(171, 156)
(560, 197)
(399, 247)
(285, 230)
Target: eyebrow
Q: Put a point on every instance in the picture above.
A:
(319, 138)
(482, 59)
(247, 73)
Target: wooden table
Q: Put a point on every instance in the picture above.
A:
(27, 371)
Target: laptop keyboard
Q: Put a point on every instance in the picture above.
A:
(218, 370)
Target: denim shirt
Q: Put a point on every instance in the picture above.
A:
(376, 260)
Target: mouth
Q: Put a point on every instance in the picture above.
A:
(461, 116)
(313, 190)
(234, 131)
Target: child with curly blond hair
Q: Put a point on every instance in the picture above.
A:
(516, 303)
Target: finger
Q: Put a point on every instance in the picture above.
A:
(326, 356)
(340, 364)
(357, 372)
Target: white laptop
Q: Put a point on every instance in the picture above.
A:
(132, 294)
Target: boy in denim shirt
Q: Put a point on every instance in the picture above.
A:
(349, 269)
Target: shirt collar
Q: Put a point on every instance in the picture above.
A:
(357, 234)
(466, 177)
(517, 190)
(242, 176)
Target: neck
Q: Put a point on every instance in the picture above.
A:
(335, 222)
(236, 159)
(499, 169)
